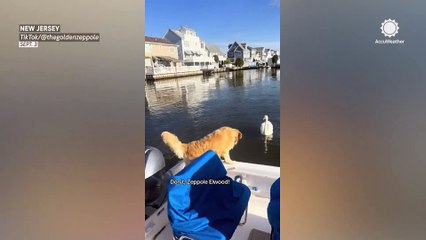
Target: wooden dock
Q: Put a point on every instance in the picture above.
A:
(206, 72)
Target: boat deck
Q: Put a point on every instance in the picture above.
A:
(259, 179)
(257, 218)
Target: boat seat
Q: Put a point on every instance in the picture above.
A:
(274, 210)
(201, 210)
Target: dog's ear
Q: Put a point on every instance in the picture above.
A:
(240, 135)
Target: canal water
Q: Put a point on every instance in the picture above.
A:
(192, 107)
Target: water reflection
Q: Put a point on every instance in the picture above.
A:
(267, 139)
(274, 73)
(192, 107)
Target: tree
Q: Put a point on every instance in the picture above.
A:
(216, 58)
(227, 61)
(275, 59)
(239, 62)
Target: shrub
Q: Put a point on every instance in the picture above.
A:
(239, 62)
(216, 58)
(275, 59)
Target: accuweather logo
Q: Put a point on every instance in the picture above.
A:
(389, 28)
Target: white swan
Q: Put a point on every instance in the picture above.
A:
(266, 127)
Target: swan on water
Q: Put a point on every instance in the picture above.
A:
(266, 127)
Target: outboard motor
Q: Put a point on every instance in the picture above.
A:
(157, 173)
(154, 161)
(155, 182)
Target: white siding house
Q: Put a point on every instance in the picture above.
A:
(191, 49)
(270, 53)
(260, 55)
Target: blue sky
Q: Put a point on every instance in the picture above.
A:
(219, 22)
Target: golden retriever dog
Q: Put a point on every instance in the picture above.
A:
(220, 141)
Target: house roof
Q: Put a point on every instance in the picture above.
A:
(234, 48)
(179, 34)
(186, 28)
(214, 49)
(158, 40)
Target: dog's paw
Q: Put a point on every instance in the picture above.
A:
(230, 162)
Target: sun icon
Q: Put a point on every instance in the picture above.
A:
(389, 28)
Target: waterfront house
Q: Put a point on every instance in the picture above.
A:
(192, 49)
(160, 52)
(214, 50)
(260, 55)
(252, 53)
(270, 53)
(239, 50)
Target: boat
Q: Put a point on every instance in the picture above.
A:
(254, 222)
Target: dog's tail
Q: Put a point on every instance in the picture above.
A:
(174, 144)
